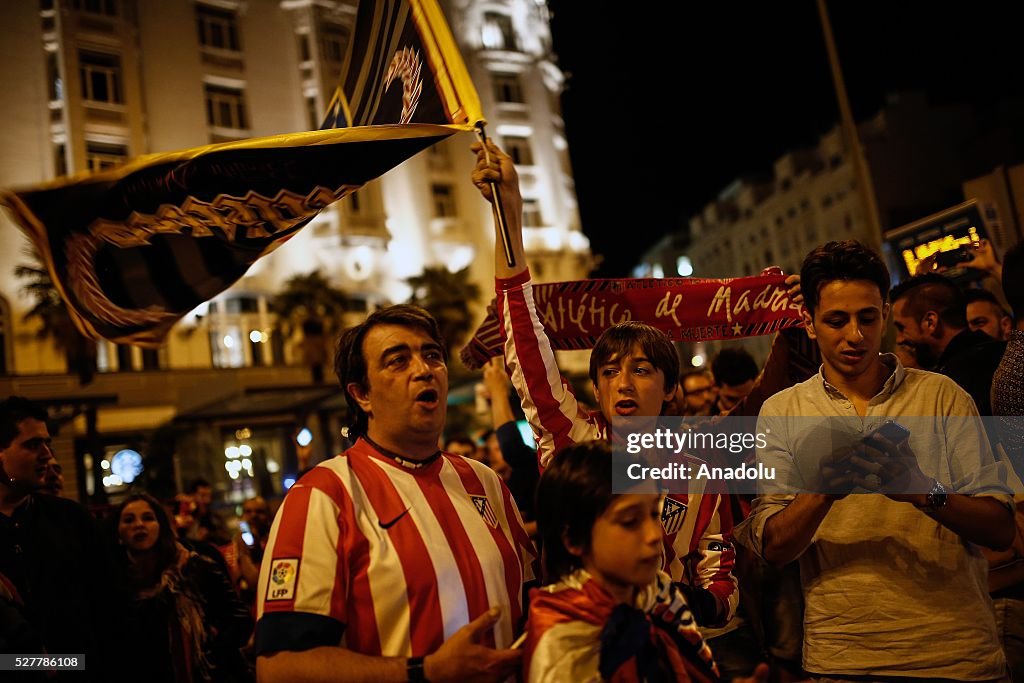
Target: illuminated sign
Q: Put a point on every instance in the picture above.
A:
(949, 230)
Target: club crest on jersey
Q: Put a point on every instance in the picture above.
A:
(483, 506)
(283, 573)
(672, 516)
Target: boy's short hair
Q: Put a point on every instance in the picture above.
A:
(846, 260)
(619, 340)
(574, 490)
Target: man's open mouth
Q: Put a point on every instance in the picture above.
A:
(427, 397)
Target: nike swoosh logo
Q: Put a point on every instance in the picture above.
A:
(388, 525)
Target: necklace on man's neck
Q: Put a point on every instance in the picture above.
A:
(403, 461)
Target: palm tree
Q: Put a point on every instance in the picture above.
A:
(54, 320)
(447, 296)
(310, 304)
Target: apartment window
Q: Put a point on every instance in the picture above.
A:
(507, 88)
(150, 359)
(53, 77)
(497, 32)
(124, 358)
(218, 28)
(225, 107)
(333, 38)
(101, 156)
(444, 200)
(106, 8)
(531, 213)
(304, 53)
(101, 77)
(313, 113)
(519, 149)
(60, 160)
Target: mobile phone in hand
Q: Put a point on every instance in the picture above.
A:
(247, 536)
(891, 430)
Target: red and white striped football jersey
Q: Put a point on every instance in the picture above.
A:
(697, 526)
(402, 557)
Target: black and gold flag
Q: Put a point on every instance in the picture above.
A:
(135, 248)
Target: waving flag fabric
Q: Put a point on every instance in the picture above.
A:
(135, 248)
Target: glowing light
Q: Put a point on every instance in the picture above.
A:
(231, 452)
(657, 271)
(243, 433)
(305, 437)
(245, 450)
(684, 266)
(105, 464)
(229, 341)
(106, 481)
(273, 467)
(255, 336)
(289, 482)
(233, 474)
(227, 466)
(247, 463)
(125, 466)
(697, 361)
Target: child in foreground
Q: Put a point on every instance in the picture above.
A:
(609, 613)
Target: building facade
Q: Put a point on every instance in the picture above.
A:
(99, 82)
(922, 159)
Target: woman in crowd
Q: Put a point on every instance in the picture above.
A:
(184, 622)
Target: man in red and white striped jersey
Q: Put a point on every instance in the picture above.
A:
(634, 368)
(393, 561)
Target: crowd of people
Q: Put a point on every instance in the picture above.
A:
(418, 555)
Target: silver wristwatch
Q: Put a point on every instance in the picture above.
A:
(937, 497)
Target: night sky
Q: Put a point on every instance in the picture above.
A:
(753, 82)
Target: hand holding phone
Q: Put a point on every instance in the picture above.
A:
(892, 431)
(246, 533)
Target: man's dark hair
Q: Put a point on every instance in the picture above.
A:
(351, 366)
(574, 490)
(12, 411)
(933, 292)
(196, 484)
(692, 372)
(460, 438)
(734, 367)
(846, 260)
(1013, 280)
(973, 296)
(619, 340)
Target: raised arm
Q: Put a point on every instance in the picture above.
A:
(548, 403)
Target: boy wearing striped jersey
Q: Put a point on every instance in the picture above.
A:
(394, 561)
(634, 368)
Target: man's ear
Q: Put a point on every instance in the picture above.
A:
(808, 322)
(930, 322)
(361, 396)
(886, 310)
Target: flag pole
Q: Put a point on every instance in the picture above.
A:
(849, 128)
(498, 208)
